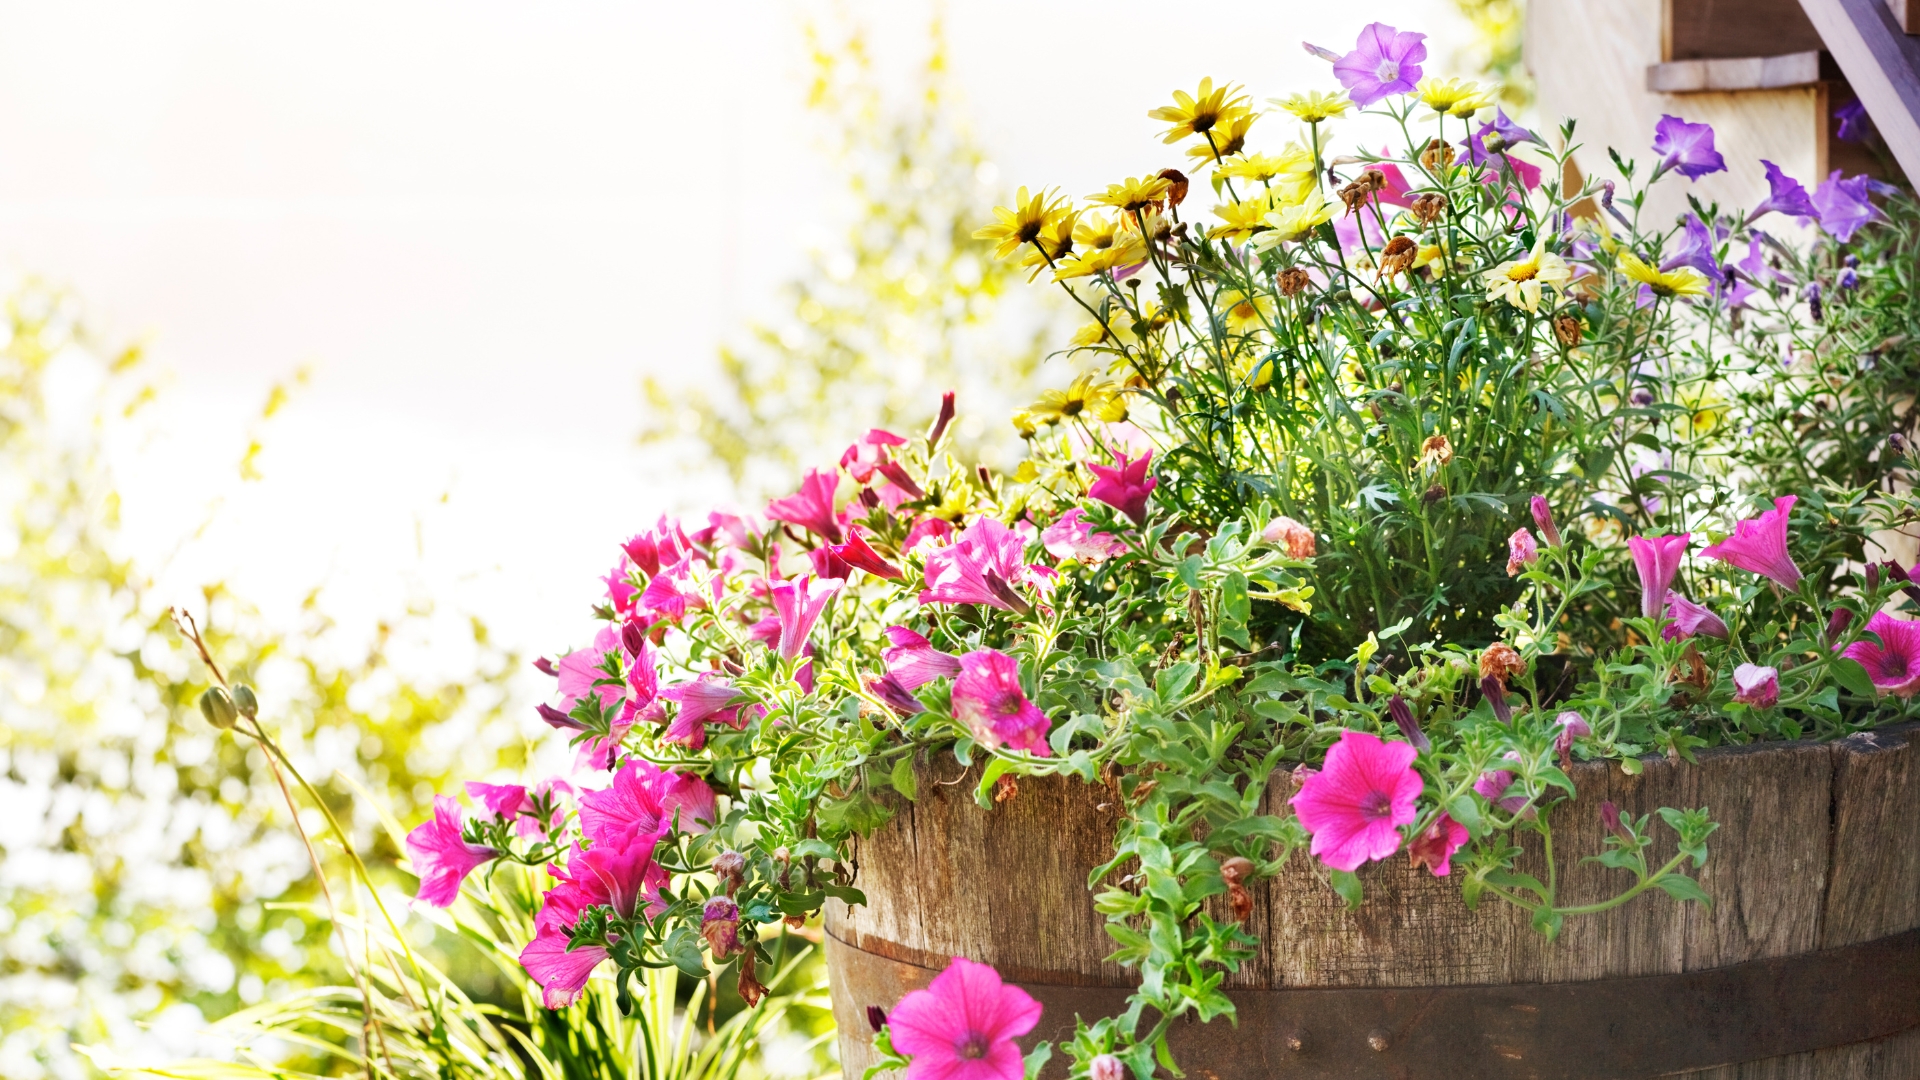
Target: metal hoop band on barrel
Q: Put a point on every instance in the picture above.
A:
(1606, 1029)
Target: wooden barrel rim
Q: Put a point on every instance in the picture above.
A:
(1646, 1025)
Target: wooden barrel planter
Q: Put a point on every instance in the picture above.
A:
(1806, 968)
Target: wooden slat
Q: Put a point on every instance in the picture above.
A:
(1743, 73)
(1882, 63)
(1707, 29)
(1906, 15)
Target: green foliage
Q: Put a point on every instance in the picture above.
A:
(903, 306)
(146, 854)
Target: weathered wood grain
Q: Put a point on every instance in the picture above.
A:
(1819, 847)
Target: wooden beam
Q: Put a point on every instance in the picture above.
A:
(1742, 73)
(1882, 64)
(1906, 13)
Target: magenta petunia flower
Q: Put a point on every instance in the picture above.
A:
(1657, 558)
(913, 662)
(865, 457)
(1522, 552)
(987, 697)
(1569, 726)
(1686, 148)
(503, 801)
(1844, 206)
(644, 800)
(890, 689)
(1434, 847)
(709, 698)
(811, 507)
(962, 1026)
(1543, 519)
(980, 567)
(1383, 61)
(1124, 485)
(441, 858)
(857, 553)
(1756, 685)
(799, 603)
(663, 545)
(1690, 618)
(1354, 806)
(561, 972)
(1760, 545)
(1072, 537)
(1785, 195)
(1894, 664)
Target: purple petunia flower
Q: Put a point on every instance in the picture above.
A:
(1695, 250)
(1844, 205)
(1511, 133)
(1383, 61)
(1785, 195)
(1855, 124)
(1686, 148)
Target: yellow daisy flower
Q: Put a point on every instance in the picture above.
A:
(1199, 112)
(1136, 193)
(1292, 222)
(1085, 396)
(1244, 313)
(1518, 281)
(1453, 97)
(1264, 168)
(1101, 242)
(1022, 223)
(1226, 140)
(1054, 243)
(1679, 281)
(1314, 107)
(1242, 219)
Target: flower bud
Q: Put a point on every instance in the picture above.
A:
(1105, 1067)
(1402, 714)
(556, 719)
(545, 666)
(1572, 726)
(1873, 576)
(1522, 552)
(876, 1017)
(633, 638)
(1756, 686)
(1496, 696)
(1610, 817)
(217, 707)
(720, 926)
(1838, 622)
(1543, 520)
(1235, 870)
(1289, 535)
(731, 868)
(1813, 301)
(244, 701)
(946, 418)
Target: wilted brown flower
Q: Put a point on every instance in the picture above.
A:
(1436, 451)
(1429, 208)
(1434, 494)
(1437, 156)
(1177, 193)
(1501, 661)
(1567, 329)
(1397, 256)
(1293, 281)
(1355, 196)
(1291, 536)
(1005, 788)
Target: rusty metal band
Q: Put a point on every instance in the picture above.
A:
(1606, 1029)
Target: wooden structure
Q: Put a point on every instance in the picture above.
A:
(1767, 74)
(1807, 967)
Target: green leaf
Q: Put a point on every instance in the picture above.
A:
(1235, 609)
(1849, 673)
(1172, 681)
(983, 792)
(903, 779)
(1683, 888)
(1037, 1059)
(1347, 885)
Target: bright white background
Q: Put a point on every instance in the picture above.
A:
(480, 222)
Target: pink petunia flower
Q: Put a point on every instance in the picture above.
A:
(502, 801)
(441, 858)
(1894, 664)
(1522, 551)
(645, 799)
(1658, 559)
(1569, 726)
(1760, 545)
(1492, 786)
(561, 972)
(1072, 537)
(1690, 618)
(1384, 61)
(583, 672)
(1124, 485)
(963, 1025)
(799, 603)
(811, 507)
(987, 697)
(913, 661)
(930, 530)
(857, 553)
(1354, 806)
(980, 567)
(1434, 847)
(1756, 685)
(663, 545)
(1543, 520)
(864, 458)
(709, 698)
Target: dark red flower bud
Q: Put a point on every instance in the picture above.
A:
(1838, 622)
(1873, 576)
(892, 691)
(869, 498)
(998, 586)
(876, 1017)
(545, 666)
(633, 638)
(892, 471)
(557, 719)
(940, 425)
(828, 563)
(1497, 699)
(1610, 817)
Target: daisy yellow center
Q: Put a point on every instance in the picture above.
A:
(974, 1047)
(1243, 310)
(1523, 271)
